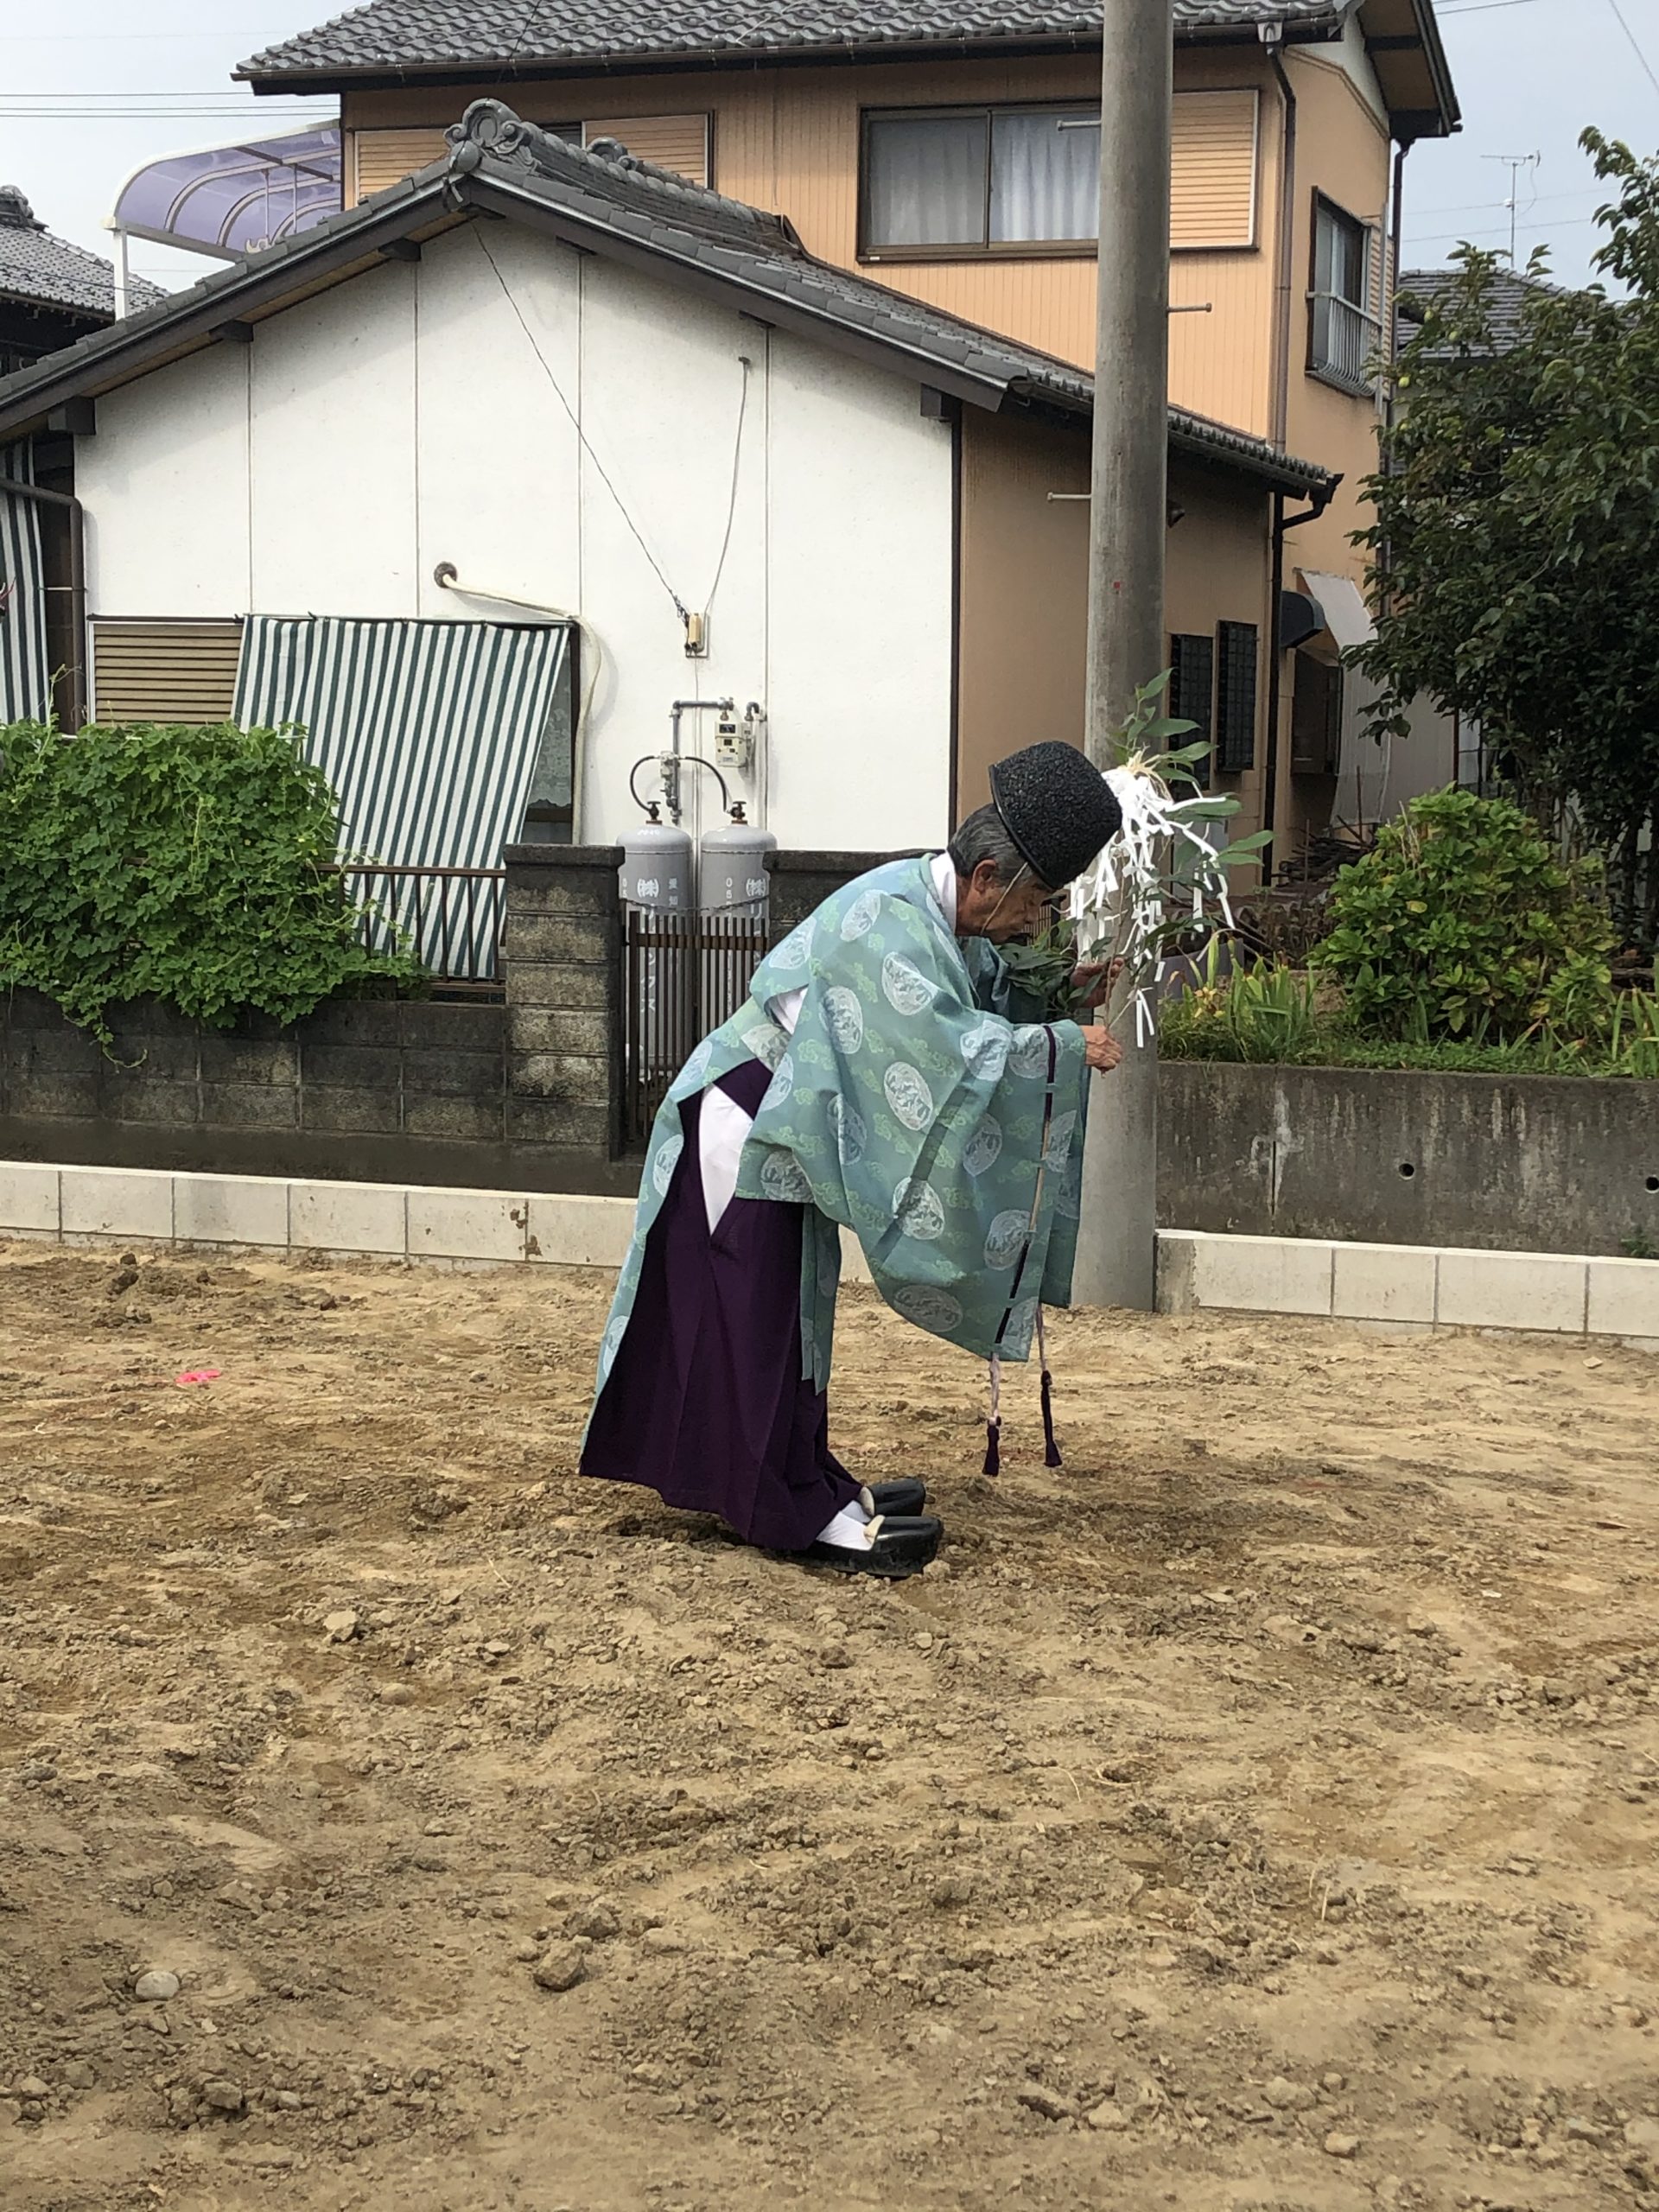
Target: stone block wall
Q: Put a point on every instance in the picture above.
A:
(563, 968)
(460, 1092)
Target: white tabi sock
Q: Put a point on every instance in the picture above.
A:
(849, 1531)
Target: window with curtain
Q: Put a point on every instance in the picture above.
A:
(985, 180)
(1343, 331)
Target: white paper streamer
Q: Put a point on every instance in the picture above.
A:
(1122, 906)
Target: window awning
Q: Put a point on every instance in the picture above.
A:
(25, 671)
(429, 732)
(1346, 615)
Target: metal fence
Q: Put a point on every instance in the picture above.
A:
(450, 917)
(1345, 340)
(683, 976)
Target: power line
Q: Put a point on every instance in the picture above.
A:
(1635, 48)
(546, 368)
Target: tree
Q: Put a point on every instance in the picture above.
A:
(1515, 550)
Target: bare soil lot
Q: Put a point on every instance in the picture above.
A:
(1259, 1814)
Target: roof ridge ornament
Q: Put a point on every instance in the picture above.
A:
(490, 127)
(16, 213)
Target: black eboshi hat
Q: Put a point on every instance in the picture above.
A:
(1058, 810)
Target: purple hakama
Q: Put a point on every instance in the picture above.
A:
(706, 1403)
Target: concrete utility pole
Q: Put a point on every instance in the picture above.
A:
(1117, 1247)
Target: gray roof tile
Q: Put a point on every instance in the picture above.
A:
(1511, 289)
(47, 271)
(391, 35)
(689, 228)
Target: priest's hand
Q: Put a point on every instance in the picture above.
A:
(1093, 979)
(1101, 1049)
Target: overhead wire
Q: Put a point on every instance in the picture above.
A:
(546, 368)
(1635, 47)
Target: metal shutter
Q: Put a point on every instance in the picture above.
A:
(164, 671)
(1212, 179)
(671, 142)
(1192, 691)
(1236, 697)
(385, 157)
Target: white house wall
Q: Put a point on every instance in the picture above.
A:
(165, 489)
(405, 419)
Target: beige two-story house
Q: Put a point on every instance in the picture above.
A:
(952, 155)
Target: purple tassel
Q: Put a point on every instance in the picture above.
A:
(1050, 1449)
(992, 1448)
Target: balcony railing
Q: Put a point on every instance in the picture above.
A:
(1346, 341)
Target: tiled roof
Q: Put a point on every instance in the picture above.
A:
(1511, 289)
(398, 34)
(48, 272)
(640, 213)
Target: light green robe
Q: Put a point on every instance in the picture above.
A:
(909, 1108)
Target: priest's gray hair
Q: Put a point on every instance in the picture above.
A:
(984, 837)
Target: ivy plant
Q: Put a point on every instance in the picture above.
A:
(194, 865)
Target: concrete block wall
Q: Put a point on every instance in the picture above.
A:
(563, 968)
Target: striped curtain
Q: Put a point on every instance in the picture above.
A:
(25, 672)
(428, 733)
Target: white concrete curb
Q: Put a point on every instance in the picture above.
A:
(122, 1205)
(1410, 1285)
(1406, 1286)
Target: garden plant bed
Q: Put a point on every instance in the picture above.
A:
(1260, 1813)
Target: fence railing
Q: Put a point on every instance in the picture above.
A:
(683, 976)
(450, 917)
(1345, 340)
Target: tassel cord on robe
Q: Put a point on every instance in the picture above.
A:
(994, 1425)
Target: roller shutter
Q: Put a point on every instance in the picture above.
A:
(164, 671)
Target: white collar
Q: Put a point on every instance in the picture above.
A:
(944, 872)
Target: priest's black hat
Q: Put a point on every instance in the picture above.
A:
(1058, 807)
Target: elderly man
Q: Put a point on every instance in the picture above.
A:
(880, 1079)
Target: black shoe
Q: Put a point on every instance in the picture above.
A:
(902, 1548)
(900, 1499)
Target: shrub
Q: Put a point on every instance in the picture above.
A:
(192, 864)
(1463, 924)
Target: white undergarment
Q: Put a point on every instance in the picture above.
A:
(723, 1129)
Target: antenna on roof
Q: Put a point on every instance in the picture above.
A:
(1514, 163)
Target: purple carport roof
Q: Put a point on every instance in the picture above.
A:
(233, 199)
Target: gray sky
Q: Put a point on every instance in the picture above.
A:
(112, 84)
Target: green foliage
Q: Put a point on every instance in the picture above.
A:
(194, 865)
(1516, 534)
(1045, 971)
(1463, 924)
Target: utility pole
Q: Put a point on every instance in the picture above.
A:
(1128, 520)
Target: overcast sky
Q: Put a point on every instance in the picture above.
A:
(112, 85)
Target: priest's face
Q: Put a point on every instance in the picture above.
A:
(986, 907)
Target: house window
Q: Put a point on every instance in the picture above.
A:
(1315, 717)
(980, 181)
(1342, 331)
(1192, 692)
(1236, 697)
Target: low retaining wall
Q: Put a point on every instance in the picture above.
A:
(1397, 1286)
(1504, 1163)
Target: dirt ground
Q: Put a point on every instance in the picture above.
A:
(1260, 1813)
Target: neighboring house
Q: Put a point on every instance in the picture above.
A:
(51, 292)
(1510, 288)
(540, 377)
(949, 154)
